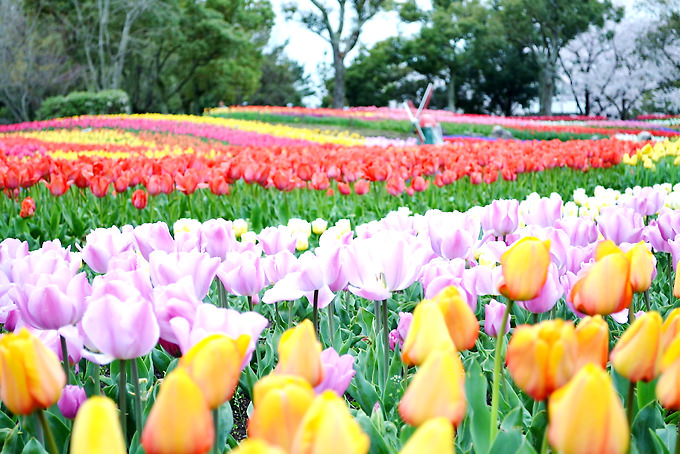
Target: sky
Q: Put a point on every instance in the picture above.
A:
(313, 52)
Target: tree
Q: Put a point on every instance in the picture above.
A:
(328, 19)
(545, 27)
(33, 60)
(283, 81)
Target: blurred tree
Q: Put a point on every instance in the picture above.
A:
(283, 81)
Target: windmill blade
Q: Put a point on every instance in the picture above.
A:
(415, 122)
(426, 100)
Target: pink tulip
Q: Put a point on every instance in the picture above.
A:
(621, 225)
(646, 201)
(169, 268)
(501, 217)
(541, 211)
(216, 237)
(242, 274)
(338, 372)
(123, 285)
(581, 231)
(153, 237)
(174, 300)
(452, 235)
(72, 397)
(276, 239)
(398, 335)
(551, 292)
(103, 244)
(493, 317)
(279, 265)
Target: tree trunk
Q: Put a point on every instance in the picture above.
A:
(587, 111)
(339, 81)
(546, 87)
(451, 92)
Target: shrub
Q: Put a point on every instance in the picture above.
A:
(85, 103)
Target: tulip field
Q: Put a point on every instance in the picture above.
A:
(287, 280)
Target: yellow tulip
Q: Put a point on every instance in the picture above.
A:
(676, 284)
(279, 404)
(437, 390)
(668, 387)
(215, 365)
(542, 357)
(180, 419)
(300, 353)
(31, 376)
(670, 328)
(253, 446)
(605, 288)
(436, 435)
(592, 334)
(461, 322)
(587, 415)
(97, 428)
(637, 353)
(428, 332)
(525, 269)
(329, 428)
(641, 267)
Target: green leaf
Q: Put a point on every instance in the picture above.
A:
(13, 442)
(33, 447)
(659, 445)
(378, 444)
(646, 393)
(647, 418)
(479, 413)
(226, 423)
(507, 441)
(363, 392)
(513, 419)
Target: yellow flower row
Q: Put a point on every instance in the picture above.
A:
(85, 137)
(649, 154)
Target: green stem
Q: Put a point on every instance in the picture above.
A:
(385, 340)
(51, 444)
(291, 305)
(216, 424)
(493, 428)
(38, 429)
(630, 402)
(534, 318)
(647, 304)
(97, 386)
(279, 320)
(544, 443)
(331, 322)
(677, 438)
(250, 303)
(64, 356)
(122, 396)
(315, 312)
(221, 294)
(138, 397)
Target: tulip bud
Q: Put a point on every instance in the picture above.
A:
(31, 376)
(215, 365)
(279, 404)
(460, 320)
(139, 199)
(525, 269)
(668, 387)
(542, 357)
(637, 353)
(437, 390)
(27, 208)
(642, 267)
(428, 332)
(252, 446)
(592, 334)
(97, 428)
(436, 435)
(588, 413)
(670, 328)
(180, 419)
(70, 401)
(328, 427)
(605, 288)
(300, 353)
(493, 317)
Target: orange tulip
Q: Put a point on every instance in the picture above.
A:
(587, 415)
(525, 268)
(427, 333)
(637, 353)
(668, 386)
(670, 355)
(180, 419)
(300, 353)
(436, 435)
(279, 404)
(670, 328)
(542, 357)
(642, 267)
(592, 334)
(97, 428)
(252, 446)
(437, 390)
(328, 427)
(31, 376)
(606, 286)
(461, 322)
(215, 365)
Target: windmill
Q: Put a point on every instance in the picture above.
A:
(432, 129)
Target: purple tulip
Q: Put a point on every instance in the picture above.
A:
(568, 280)
(541, 211)
(119, 329)
(70, 400)
(174, 300)
(186, 233)
(103, 244)
(338, 372)
(652, 234)
(11, 249)
(276, 239)
(621, 225)
(501, 217)
(153, 237)
(620, 317)
(668, 223)
(440, 267)
(52, 340)
(242, 274)
(398, 335)
(452, 235)
(581, 231)
(217, 237)
(312, 276)
(551, 292)
(493, 317)
(674, 246)
(279, 265)
(123, 285)
(169, 268)
(210, 319)
(646, 201)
